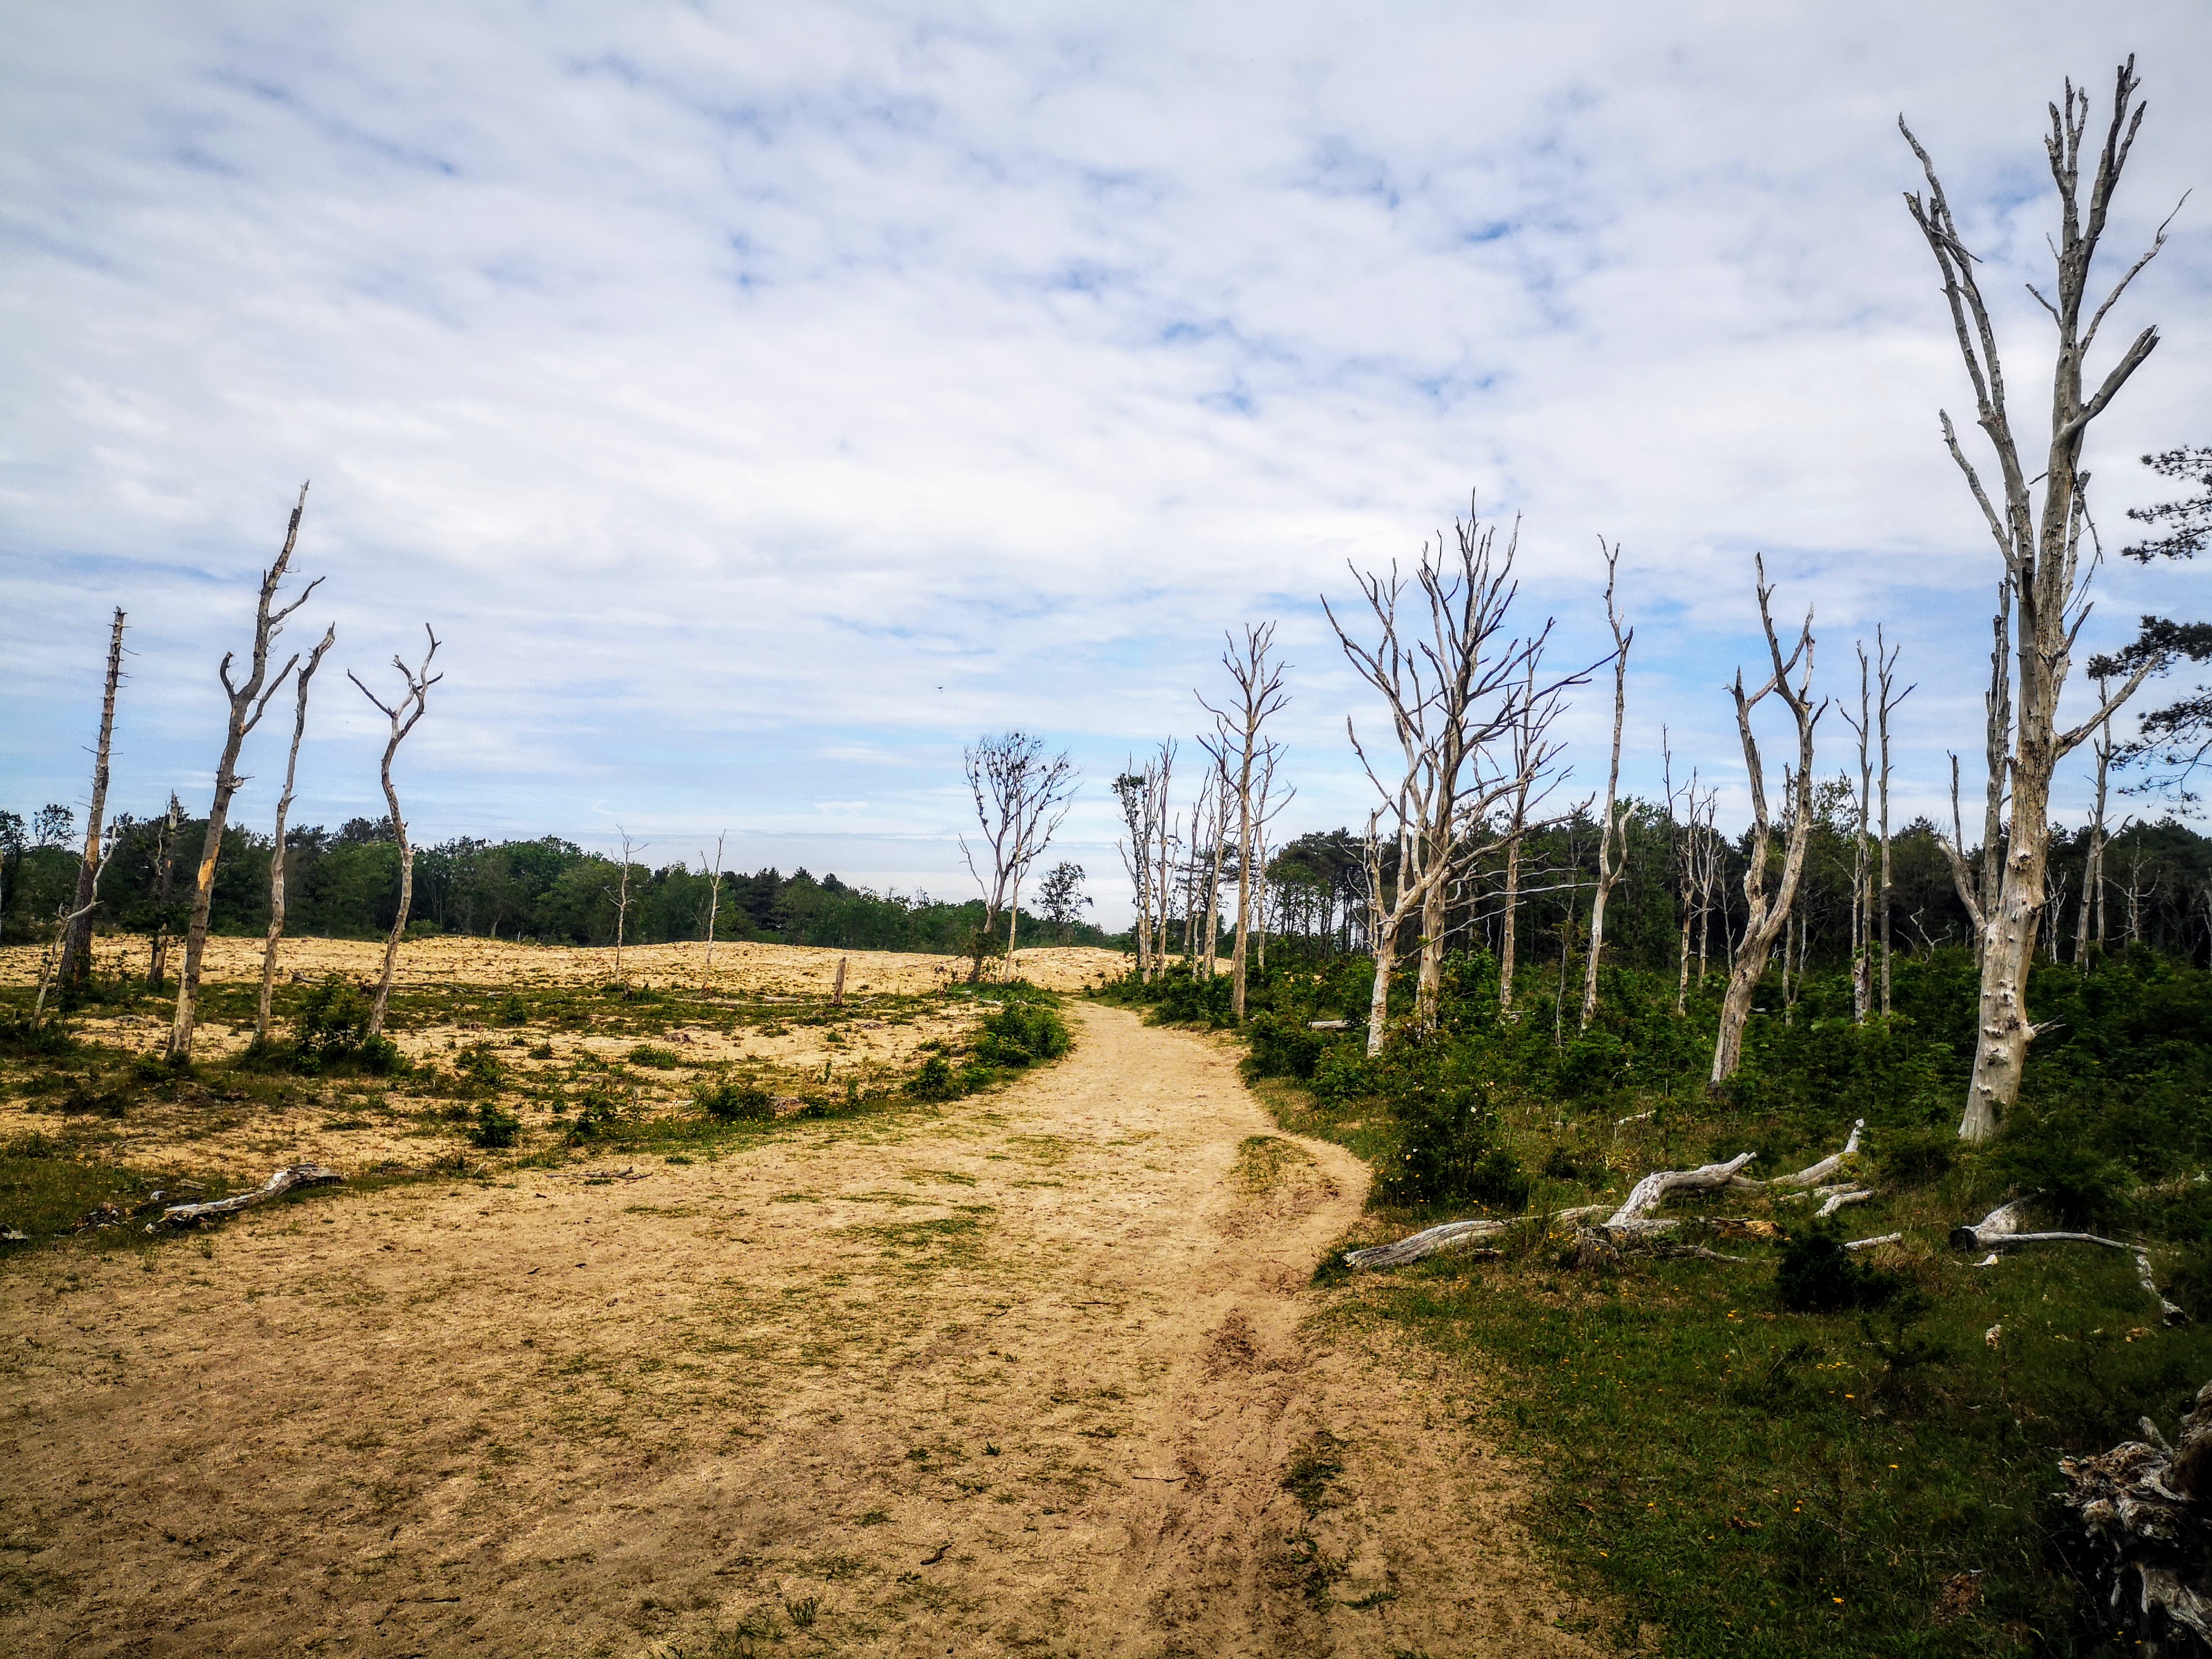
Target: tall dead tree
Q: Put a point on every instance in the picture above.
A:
(622, 903)
(2040, 549)
(1456, 686)
(713, 903)
(1244, 753)
(277, 848)
(1767, 914)
(402, 713)
(1533, 758)
(165, 878)
(2093, 864)
(1144, 799)
(1021, 795)
(76, 941)
(1886, 699)
(1613, 827)
(1861, 860)
(248, 702)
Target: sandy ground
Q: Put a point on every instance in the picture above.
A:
(794, 969)
(1028, 1378)
(879, 1039)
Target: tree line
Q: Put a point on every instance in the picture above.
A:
(346, 884)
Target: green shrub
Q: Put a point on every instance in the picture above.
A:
(1817, 1274)
(599, 1111)
(1282, 1046)
(728, 1101)
(1340, 1074)
(649, 1053)
(514, 1011)
(1916, 1158)
(1447, 1130)
(478, 1068)
(331, 1030)
(495, 1128)
(934, 1081)
(1020, 1034)
(2052, 1152)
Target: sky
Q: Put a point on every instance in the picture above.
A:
(762, 401)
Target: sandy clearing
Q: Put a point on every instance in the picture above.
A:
(794, 969)
(1024, 1378)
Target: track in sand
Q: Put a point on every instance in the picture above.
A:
(1041, 1375)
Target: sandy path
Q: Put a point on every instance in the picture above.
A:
(1027, 1378)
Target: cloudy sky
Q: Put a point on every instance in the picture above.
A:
(760, 400)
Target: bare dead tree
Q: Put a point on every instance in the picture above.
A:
(1886, 700)
(1243, 750)
(622, 903)
(1456, 686)
(2093, 867)
(248, 702)
(165, 867)
(1765, 915)
(1213, 803)
(1692, 858)
(276, 853)
(76, 942)
(2040, 553)
(1534, 755)
(402, 713)
(713, 903)
(1021, 795)
(1861, 860)
(1612, 825)
(64, 919)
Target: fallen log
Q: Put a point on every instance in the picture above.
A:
(283, 1180)
(1451, 1234)
(1813, 1174)
(1837, 1199)
(1649, 1193)
(2001, 1230)
(2146, 1508)
(1868, 1244)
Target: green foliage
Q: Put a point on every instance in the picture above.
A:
(726, 1100)
(477, 1067)
(1020, 1034)
(652, 1054)
(494, 1128)
(599, 1111)
(1817, 1274)
(935, 1081)
(330, 1032)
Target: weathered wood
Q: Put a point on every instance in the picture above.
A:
(1813, 1174)
(283, 1180)
(1652, 1191)
(1868, 1244)
(1452, 1235)
(2167, 1312)
(2146, 1508)
(2001, 1230)
(1328, 1026)
(1836, 1200)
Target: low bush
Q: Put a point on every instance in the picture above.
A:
(935, 1081)
(652, 1054)
(1817, 1274)
(1020, 1034)
(330, 1032)
(726, 1100)
(494, 1128)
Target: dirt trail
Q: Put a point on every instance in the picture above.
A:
(1040, 1375)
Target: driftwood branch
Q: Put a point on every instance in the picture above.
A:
(283, 1180)
(1652, 1191)
(1814, 1174)
(1868, 1244)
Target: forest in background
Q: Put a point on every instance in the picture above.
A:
(345, 884)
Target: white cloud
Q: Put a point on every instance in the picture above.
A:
(762, 400)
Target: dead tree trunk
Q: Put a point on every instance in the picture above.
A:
(622, 902)
(1239, 731)
(277, 848)
(2093, 863)
(1861, 863)
(714, 905)
(248, 702)
(1456, 687)
(2145, 1506)
(402, 713)
(1886, 704)
(165, 862)
(1021, 795)
(2040, 553)
(1612, 826)
(1765, 916)
(76, 942)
